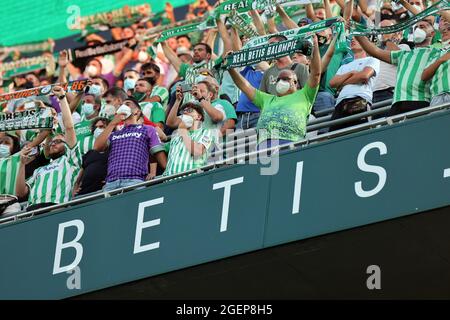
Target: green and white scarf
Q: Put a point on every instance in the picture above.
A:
(267, 52)
(30, 119)
(77, 85)
(26, 65)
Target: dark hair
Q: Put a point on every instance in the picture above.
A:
(16, 143)
(116, 92)
(184, 36)
(134, 100)
(94, 122)
(150, 81)
(104, 81)
(279, 37)
(194, 106)
(97, 99)
(150, 66)
(207, 47)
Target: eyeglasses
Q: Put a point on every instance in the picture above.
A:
(56, 141)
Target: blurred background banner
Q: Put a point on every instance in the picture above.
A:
(27, 22)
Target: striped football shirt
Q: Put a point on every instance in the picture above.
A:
(410, 65)
(180, 159)
(54, 182)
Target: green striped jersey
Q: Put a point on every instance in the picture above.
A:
(440, 83)
(54, 182)
(85, 138)
(9, 168)
(410, 65)
(190, 72)
(162, 93)
(154, 111)
(180, 159)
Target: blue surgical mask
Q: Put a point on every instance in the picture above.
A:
(98, 132)
(4, 151)
(87, 109)
(95, 90)
(129, 84)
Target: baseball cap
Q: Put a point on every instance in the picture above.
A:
(304, 21)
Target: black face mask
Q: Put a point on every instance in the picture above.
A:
(28, 85)
(402, 17)
(386, 16)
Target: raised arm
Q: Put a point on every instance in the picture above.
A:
(101, 143)
(310, 12)
(224, 35)
(328, 55)
(258, 22)
(327, 7)
(315, 66)
(372, 50)
(172, 118)
(243, 84)
(236, 43)
(171, 56)
(71, 138)
(429, 72)
(271, 26)
(287, 21)
(409, 7)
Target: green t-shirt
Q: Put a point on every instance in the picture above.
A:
(154, 111)
(284, 117)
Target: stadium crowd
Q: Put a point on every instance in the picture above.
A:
(144, 115)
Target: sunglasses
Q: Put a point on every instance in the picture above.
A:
(56, 141)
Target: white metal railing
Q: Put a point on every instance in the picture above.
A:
(235, 160)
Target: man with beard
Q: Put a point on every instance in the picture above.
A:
(53, 183)
(202, 59)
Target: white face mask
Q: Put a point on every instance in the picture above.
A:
(91, 70)
(98, 132)
(142, 56)
(187, 120)
(124, 110)
(129, 84)
(282, 87)
(419, 36)
(4, 151)
(418, 8)
(87, 109)
(109, 111)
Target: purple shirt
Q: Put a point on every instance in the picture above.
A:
(129, 151)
